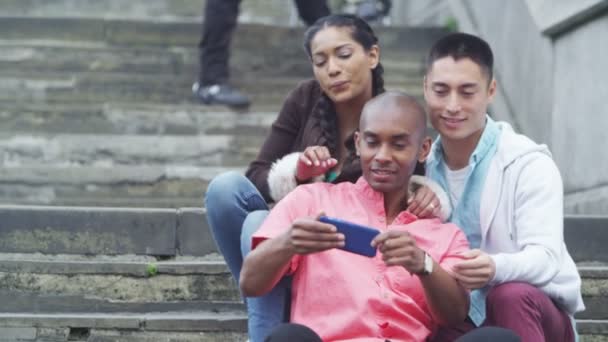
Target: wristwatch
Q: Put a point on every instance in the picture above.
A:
(428, 265)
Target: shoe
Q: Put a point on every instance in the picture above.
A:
(222, 94)
(373, 10)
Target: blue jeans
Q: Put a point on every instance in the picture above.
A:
(235, 210)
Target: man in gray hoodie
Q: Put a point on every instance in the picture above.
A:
(506, 194)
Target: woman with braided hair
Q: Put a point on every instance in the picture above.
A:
(311, 140)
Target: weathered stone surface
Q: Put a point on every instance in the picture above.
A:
(17, 334)
(595, 287)
(592, 327)
(586, 236)
(231, 321)
(95, 320)
(593, 338)
(142, 119)
(207, 336)
(126, 265)
(56, 230)
(596, 308)
(159, 288)
(592, 201)
(178, 321)
(57, 86)
(177, 61)
(52, 88)
(53, 334)
(92, 149)
(111, 186)
(147, 9)
(193, 233)
(25, 302)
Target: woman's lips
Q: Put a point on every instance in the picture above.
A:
(339, 86)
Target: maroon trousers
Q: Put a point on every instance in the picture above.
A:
(522, 308)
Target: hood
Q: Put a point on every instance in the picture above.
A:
(513, 146)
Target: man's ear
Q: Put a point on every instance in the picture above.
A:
(357, 142)
(425, 149)
(424, 90)
(492, 90)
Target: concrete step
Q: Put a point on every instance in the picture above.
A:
(586, 236)
(71, 57)
(180, 231)
(156, 186)
(280, 42)
(150, 327)
(165, 327)
(148, 9)
(113, 284)
(595, 290)
(66, 284)
(60, 88)
(592, 330)
(136, 119)
(82, 284)
(104, 231)
(135, 150)
(265, 11)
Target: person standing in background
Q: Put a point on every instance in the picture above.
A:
(220, 19)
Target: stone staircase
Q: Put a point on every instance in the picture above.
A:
(106, 157)
(98, 111)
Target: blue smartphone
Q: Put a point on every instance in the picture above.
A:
(358, 238)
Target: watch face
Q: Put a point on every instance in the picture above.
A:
(428, 264)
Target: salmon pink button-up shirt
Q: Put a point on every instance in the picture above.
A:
(347, 297)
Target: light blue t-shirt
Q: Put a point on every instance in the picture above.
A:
(465, 214)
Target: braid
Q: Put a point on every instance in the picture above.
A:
(328, 124)
(378, 80)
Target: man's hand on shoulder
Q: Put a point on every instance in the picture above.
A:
(476, 270)
(309, 235)
(424, 203)
(399, 248)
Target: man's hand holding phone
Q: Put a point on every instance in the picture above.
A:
(399, 248)
(309, 235)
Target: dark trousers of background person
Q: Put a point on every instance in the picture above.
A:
(290, 332)
(219, 22)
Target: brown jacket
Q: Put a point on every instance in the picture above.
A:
(294, 129)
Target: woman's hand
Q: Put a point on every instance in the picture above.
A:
(424, 203)
(314, 161)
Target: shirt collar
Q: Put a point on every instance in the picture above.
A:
(486, 142)
(375, 201)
